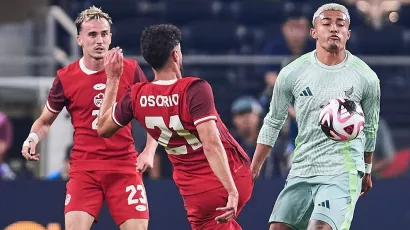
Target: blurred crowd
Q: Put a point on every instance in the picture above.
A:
(246, 114)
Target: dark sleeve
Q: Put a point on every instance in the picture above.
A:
(56, 98)
(122, 112)
(139, 75)
(200, 101)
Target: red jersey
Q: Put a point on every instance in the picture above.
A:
(170, 111)
(81, 91)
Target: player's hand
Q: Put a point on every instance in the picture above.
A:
(230, 209)
(145, 161)
(29, 150)
(113, 63)
(255, 172)
(367, 184)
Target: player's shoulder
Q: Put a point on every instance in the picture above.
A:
(69, 69)
(362, 68)
(193, 81)
(129, 62)
(297, 65)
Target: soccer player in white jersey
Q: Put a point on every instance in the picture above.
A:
(327, 177)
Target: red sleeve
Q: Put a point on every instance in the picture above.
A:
(200, 101)
(122, 112)
(56, 98)
(139, 75)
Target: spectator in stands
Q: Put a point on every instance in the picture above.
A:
(62, 173)
(385, 149)
(246, 118)
(294, 40)
(6, 138)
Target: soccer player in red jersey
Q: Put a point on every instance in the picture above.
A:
(210, 168)
(100, 169)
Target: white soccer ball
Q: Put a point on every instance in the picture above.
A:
(342, 119)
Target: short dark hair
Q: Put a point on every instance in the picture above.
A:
(157, 42)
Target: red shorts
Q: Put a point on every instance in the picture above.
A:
(124, 193)
(201, 207)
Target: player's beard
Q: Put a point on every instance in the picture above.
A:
(181, 68)
(333, 47)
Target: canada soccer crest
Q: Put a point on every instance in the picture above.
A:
(98, 99)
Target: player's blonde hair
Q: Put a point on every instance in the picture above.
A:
(90, 14)
(330, 6)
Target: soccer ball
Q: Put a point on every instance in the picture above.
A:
(342, 119)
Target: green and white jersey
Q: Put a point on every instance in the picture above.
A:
(308, 84)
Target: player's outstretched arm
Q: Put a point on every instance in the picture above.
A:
(113, 64)
(278, 111)
(218, 160)
(371, 109)
(39, 130)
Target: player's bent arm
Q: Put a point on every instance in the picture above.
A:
(282, 97)
(106, 126)
(43, 123)
(151, 145)
(216, 155)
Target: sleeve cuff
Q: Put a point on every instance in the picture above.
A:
(51, 109)
(203, 119)
(113, 116)
(268, 135)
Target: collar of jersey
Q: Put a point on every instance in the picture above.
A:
(85, 69)
(330, 67)
(164, 82)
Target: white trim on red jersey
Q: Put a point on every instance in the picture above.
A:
(200, 120)
(51, 109)
(164, 82)
(113, 115)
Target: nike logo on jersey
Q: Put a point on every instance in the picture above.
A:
(99, 86)
(306, 92)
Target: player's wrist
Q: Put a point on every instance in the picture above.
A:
(233, 192)
(367, 168)
(33, 137)
(113, 80)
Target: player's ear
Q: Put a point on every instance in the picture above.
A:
(313, 33)
(349, 32)
(79, 41)
(174, 56)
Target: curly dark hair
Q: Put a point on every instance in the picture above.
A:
(157, 42)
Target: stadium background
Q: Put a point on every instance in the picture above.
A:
(237, 45)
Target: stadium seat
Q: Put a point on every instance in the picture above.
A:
(213, 36)
(127, 33)
(181, 12)
(388, 41)
(257, 12)
(118, 9)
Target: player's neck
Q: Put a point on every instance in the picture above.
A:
(330, 58)
(93, 64)
(165, 75)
